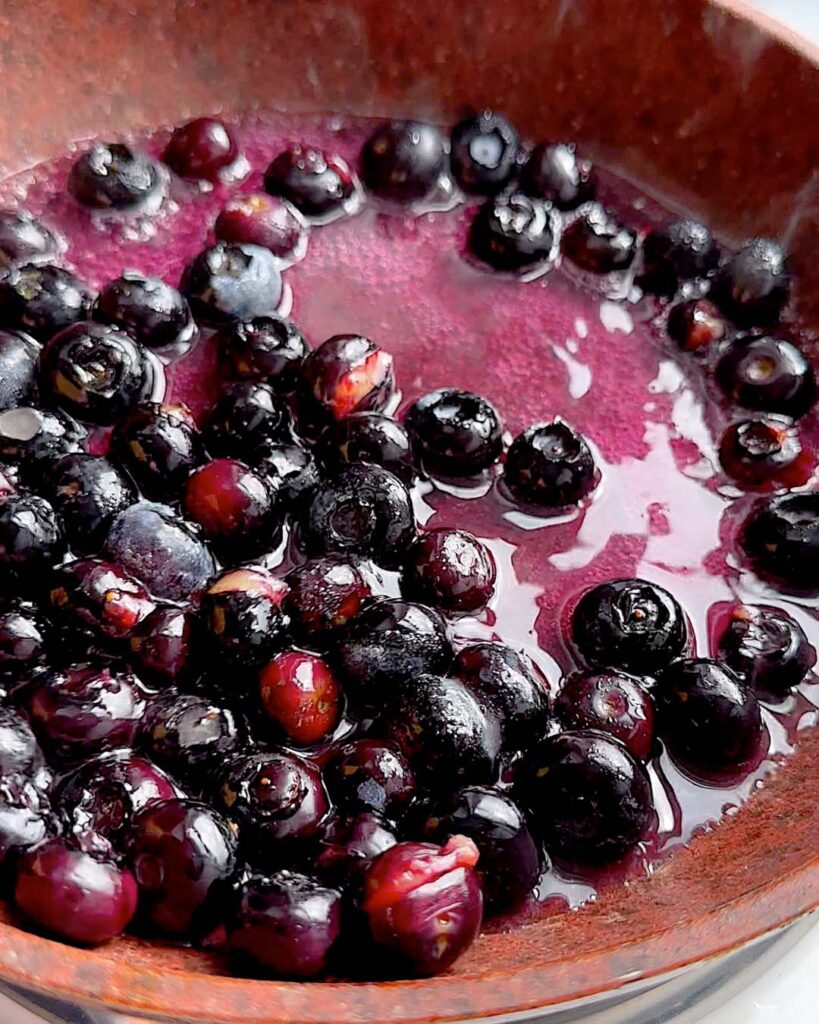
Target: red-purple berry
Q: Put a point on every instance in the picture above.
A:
(204, 148)
(765, 451)
(612, 702)
(348, 374)
(234, 506)
(325, 594)
(301, 697)
(259, 219)
(451, 570)
(371, 775)
(317, 183)
(696, 325)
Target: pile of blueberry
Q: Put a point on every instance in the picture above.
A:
(197, 746)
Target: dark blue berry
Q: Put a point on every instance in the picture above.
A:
(160, 446)
(597, 242)
(31, 534)
(754, 285)
(18, 364)
(42, 300)
(484, 152)
(150, 310)
(248, 420)
(370, 437)
(370, 775)
(514, 232)
(243, 616)
(24, 639)
(324, 595)
(767, 373)
(188, 735)
(402, 161)
(32, 438)
(25, 239)
(349, 845)
(293, 472)
(230, 282)
(87, 491)
(554, 172)
(315, 182)
(112, 176)
(266, 348)
(455, 433)
(677, 252)
(767, 648)
(781, 539)
(550, 465)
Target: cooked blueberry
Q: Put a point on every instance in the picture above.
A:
(767, 648)
(348, 374)
(510, 862)
(348, 846)
(364, 510)
(42, 300)
(183, 856)
(243, 616)
(163, 646)
(18, 364)
(388, 643)
(204, 148)
(286, 923)
(234, 506)
(508, 684)
(696, 324)
(513, 232)
(20, 752)
(554, 172)
(371, 775)
(589, 797)
(160, 447)
(112, 176)
(629, 624)
(764, 450)
(74, 895)
(267, 348)
(599, 243)
(162, 550)
(677, 252)
(451, 570)
(99, 596)
(301, 697)
(402, 161)
(293, 472)
(150, 310)
(370, 437)
(9, 479)
(25, 819)
(315, 182)
(25, 239)
(86, 709)
(274, 797)
(550, 465)
(708, 718)
(259, 219)
(455, 433)
(248, 419)
(484, 152)
(31, 534)
(767, 373)
(24, 636)
(754, 285)
(87, 491)
(230, 282)
(612, 702)
(325, 594)
(781, 539)
(33, 437)
(405, 891)
(188, 735)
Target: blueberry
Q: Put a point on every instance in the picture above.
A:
(18, 363)
(371, 775)
(597, 242)
(484, 152)
(26, 819)
(550, 466)
(268, 221)
(87, 491)
(629, 624)
(363, 511)
(766, 648)
(753, 287)
(348, 374)
(243, 616)
(781, 539)
(390, 642)
(293, 472)
(230, 282)
(324, 595)
(589, 797)
(708, 718)
(267, 348)
(677, 252)
(204, 148)
(33, 437)
(112, 176)
(696, 324)
(162, 550)
(514, 232)
(301, 697)
(31, 534)
(248, 419)
(455, 433)
(99, 596)
(349, 845)
(506, 682)
(42, 300)
(183, 855)
(763, 450)
(370, 437)
(510, 862)
(20, 752)
(318, 184)
(188, 735)
(24, 640)
(163, 646)
(402, 161)
(554, 172)
(160, 446)
(286, 923)
(451, 570)
(73, 895)
(151, 311)
(25, 239)
(767, 373)
(611, 702)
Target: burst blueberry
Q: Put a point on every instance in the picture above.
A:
(767, 373)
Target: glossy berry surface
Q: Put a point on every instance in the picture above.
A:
(162, 550)
(234, 505)
(781, 539)
(764, 450)
(18, 364)
(188, 735)
(301, 697)
(73, 895)
(455, 433)
(513, 232)
(402, 161)
(708, 718)
(423, 904)
(113, 176)
(160, 446)
(31, 437)
(259, 219)
(364, 510)
(42, 300)
(243, 616)
(248, 419)
(697, 325)
(31, 534)
(293, 472)
(554, 172)
(767, 373)
(484, 152)
(550, 466)
(390, 642)
(315, 182)
(349, 845)
(151, 311)
(99, 596)
(767, 648)
(26, 819)
(370, 437)
(286, 924)
(589, 797)
(755, 284)
(371, 775)
(612, 702)
(267, 348)
(20, 752)
(347, 374)
(163, 647)
(24, 635)
(510, 862)
(677, 252)
(230, 282)
(87, 491)
(26, 239)
(204, 148)
(629, 624)
(598, 243)
(451, 570)
(183, 856)
(325, 594)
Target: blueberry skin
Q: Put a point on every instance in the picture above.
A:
(18, 365)
(31, 438)
(42, 300)
(293, 472)
(87, 491)
(370, 437)
(484, 152)
(160, 447)
(150, 310)
(554, 172)
(230, 282)
(455, 433)
(766, 373)
(112, 176)
(31, 533)
(754, 285)
(767, 648)
(598, 243)
(550, 466)
(402, 161)
(188, 735)
(781, 540)
(160, 549)
(514, 232)
(25, 239)
(677, 252)
(268, 348)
